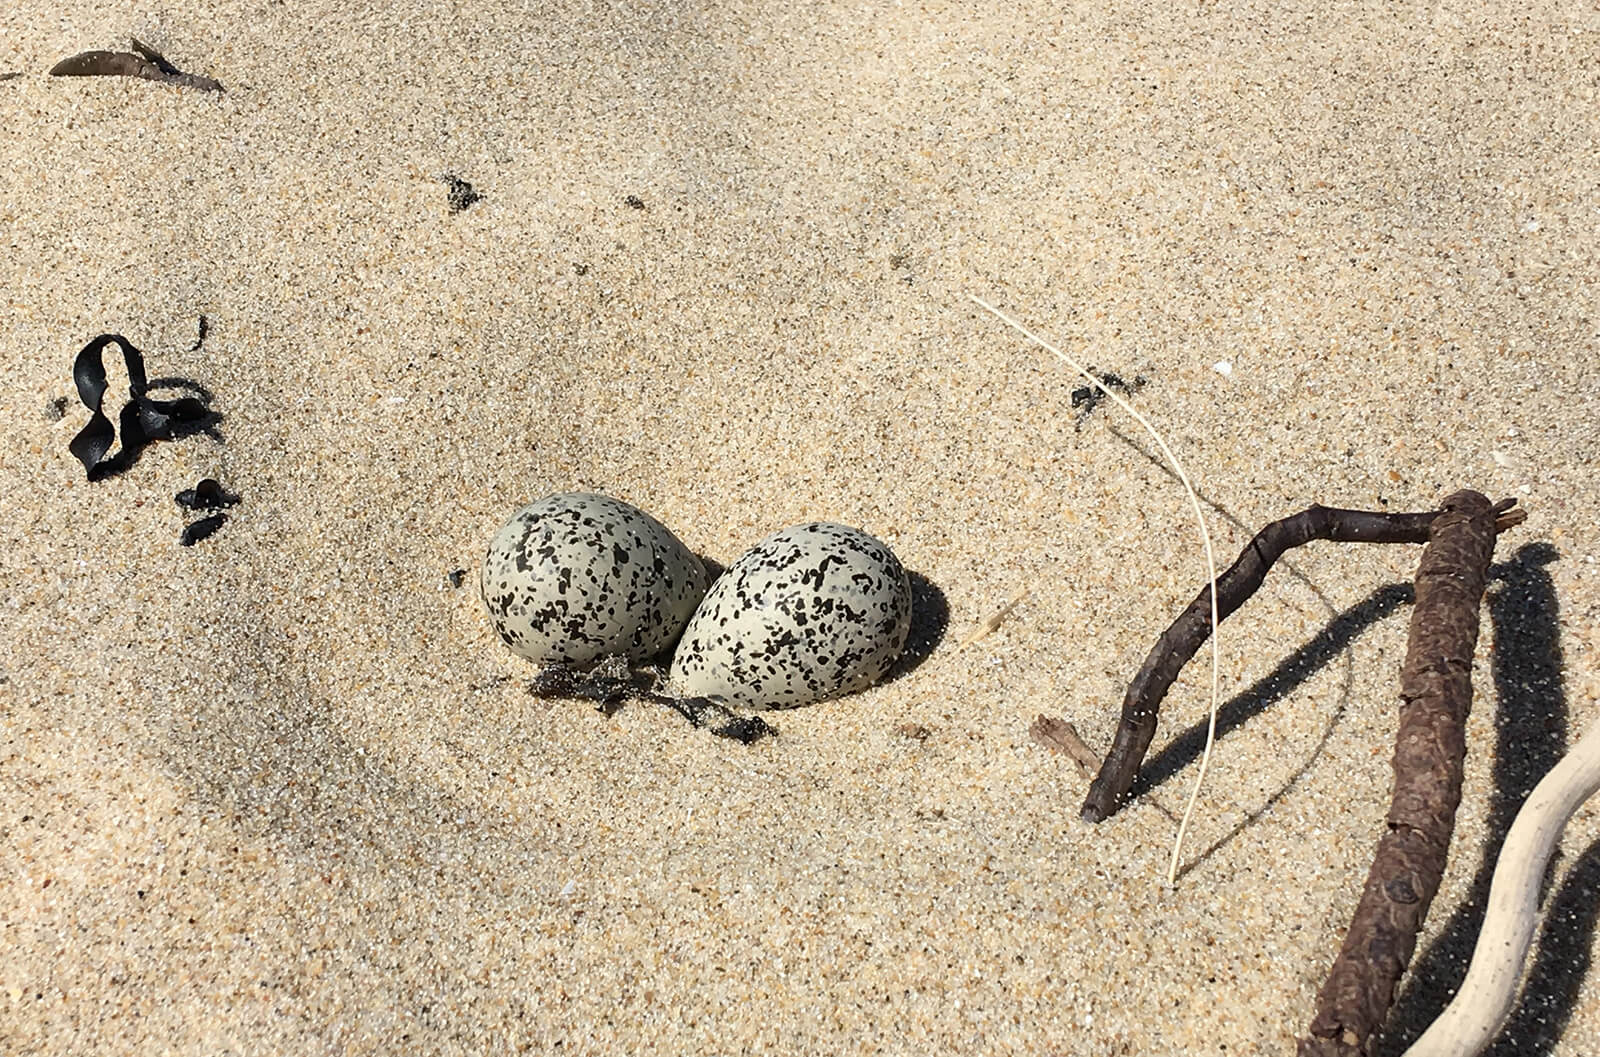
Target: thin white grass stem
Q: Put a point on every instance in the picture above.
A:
(1205, 536)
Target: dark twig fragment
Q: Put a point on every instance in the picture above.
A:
(1435, 694)
(1179, 643)
(148, 65)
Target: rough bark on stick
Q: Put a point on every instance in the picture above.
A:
(1435, 693)
(1183, 639)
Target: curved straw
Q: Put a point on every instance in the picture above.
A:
(1469, 1023)
(1211, 564)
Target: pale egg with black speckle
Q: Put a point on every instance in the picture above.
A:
(809, 613)
(577, 576)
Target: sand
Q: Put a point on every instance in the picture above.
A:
(285, 792)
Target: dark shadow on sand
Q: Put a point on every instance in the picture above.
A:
(1282, 681)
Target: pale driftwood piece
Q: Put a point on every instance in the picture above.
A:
(1470, 1022)
(1430, 749)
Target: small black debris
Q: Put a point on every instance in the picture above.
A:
(202, 529)
(633, 202)
(456, 577)
(207, 495)
(1088, 397)
(581, 269)
(201, 340)
(461, 194)
(55, 410)
(612, 682)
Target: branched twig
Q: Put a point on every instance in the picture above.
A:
(1180, 642)
(1435, 693)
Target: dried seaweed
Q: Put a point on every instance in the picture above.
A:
(142, 420)
(459, 193)
(207, 495)
(612, 682)
(148, 64)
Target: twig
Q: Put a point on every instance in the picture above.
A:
(1472, 1018)
(1062, 737)
(1435, 694)
(992, 624)
(1142, 703)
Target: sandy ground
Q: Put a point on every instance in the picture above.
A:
(284, 791)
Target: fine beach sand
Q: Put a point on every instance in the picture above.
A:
(284, 792)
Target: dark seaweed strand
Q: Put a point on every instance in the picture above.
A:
(142, 420)
(1183, 639)
(611, 684)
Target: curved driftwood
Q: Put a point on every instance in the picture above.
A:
(1183, 639)
(1469, 1023)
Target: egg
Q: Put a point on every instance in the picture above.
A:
(577, 576)
(808, 613)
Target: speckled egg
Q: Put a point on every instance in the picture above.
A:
(808, 613)
(578, 576)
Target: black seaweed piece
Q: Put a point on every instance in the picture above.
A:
(201, 340)
(461, 194)
(743, 729)
(148, 65)
(633, 202)
(1089, 397)
(202, 529)
(612, 683)
(457, 577)
(207, 495)
(609, 684)
(143, 419)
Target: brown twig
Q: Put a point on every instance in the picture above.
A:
(1435, 694)
(1179, 643)
(1060, 736)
